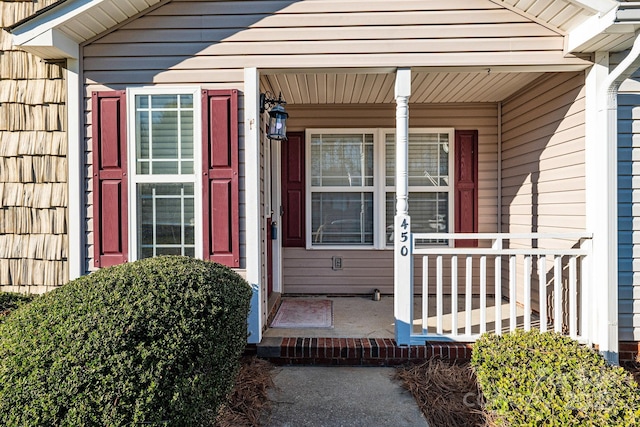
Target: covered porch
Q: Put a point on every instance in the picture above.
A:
(530, 248)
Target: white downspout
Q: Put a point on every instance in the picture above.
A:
(605, 242)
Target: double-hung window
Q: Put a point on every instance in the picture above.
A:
(351, 185)
(165, 174)
(164, 152)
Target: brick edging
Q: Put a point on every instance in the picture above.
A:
(357, 351)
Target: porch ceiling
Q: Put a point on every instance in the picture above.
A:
(369, 88)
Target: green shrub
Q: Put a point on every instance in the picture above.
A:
(9, 301)
(153, 342)
(544, 379)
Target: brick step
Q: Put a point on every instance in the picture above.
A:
(355, 351)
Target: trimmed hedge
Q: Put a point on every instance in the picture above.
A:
(153, 342)
(9, 301)
(544, 379)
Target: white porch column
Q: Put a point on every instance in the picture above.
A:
(403, 258)
(253, 211)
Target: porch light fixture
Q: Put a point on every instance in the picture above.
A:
(277, 128)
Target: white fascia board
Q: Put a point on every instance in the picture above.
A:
(51, 44)
(582, 35)
(51, 19)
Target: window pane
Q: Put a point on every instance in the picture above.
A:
(186, 139)
(164, 134)
(166, 219)
(429, 213)
(186, 101)
(342, 160)
(164, 130)
(428, 159)
(142, 134)
(142, 101)
(342, 218)
(165, 167)
(164, 101)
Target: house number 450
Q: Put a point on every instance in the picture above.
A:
(404, 237)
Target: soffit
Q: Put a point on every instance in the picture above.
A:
(81, 20)
(601, 24)
(426, 87)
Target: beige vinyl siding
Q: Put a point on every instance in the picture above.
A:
(628, 212)
(309, 271)
(193, 41)
(33, 164)
(543, 174)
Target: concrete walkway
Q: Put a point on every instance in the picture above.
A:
(311, 396)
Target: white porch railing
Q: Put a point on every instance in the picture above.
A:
(536, 281)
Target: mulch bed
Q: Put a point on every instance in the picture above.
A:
(248, 401)
(446, 393)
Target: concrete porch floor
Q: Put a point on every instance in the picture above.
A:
(361, 317)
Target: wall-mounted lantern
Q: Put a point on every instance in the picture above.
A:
(277, 128)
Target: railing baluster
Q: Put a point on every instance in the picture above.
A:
(557, 294)
(468, 295)
(425, 295)
(483, 294)
(563, 309)
(439, 295)
(542, 290)
(513, 309)
(527, 292)
(454, 294)
(573, 298)
(498, 294)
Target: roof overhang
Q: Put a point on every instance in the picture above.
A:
(595, 25)
(50, 33)
(612, 30)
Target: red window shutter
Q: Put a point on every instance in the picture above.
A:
(293, 191)
(220, 194)
(466, 185)
(109, 178)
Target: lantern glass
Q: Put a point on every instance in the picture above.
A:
(277, 123)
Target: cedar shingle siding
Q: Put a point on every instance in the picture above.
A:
(33, 164)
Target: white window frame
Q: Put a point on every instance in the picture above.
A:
(380, 189)
(135, 178)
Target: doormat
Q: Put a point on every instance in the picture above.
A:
(294, 313)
